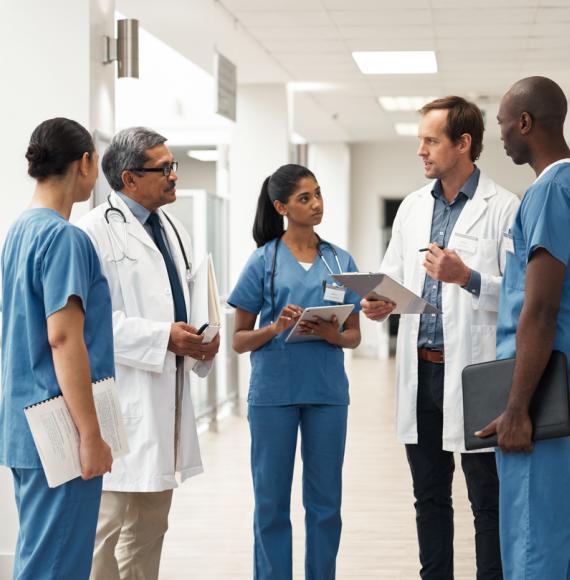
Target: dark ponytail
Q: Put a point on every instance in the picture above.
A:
(54, 145)
(269, 223)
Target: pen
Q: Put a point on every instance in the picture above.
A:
(427, 249)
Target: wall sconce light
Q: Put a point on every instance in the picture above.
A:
(124, 49)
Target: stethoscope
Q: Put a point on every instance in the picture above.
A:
(125, 242)
(319, 253)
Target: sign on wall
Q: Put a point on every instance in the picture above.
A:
(225, 73)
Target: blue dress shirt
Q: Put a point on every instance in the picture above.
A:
(445, 216)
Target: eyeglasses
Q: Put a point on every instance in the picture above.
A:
(166, 170)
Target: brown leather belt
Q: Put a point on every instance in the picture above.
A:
(433, 356)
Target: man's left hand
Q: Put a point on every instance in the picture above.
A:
(513, 429)
(204, 351)
(445, 265)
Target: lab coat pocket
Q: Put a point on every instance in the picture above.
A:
(270, 377)
(483, 347)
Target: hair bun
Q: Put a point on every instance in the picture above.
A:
(37, 154)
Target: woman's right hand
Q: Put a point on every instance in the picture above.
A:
(377, 309)
(287, 318)
(95, 456)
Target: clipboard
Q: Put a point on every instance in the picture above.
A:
(341, 311)
(486, 388)
(378, 286)
(205, 301)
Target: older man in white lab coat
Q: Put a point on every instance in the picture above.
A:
(460, 218)
(146, 257)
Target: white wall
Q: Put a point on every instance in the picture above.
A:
(50, 67)
(192, 173)
(330, 162)
(392, 170)
(259, 145)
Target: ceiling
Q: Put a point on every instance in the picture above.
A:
(481, 47)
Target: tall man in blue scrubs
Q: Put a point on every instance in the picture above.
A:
(534, 319)
(463, 214)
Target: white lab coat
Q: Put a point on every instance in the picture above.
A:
(469, 322)
(143, 313)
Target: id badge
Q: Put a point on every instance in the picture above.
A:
(509, 242)
(334, 293)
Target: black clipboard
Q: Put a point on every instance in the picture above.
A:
(486, 388)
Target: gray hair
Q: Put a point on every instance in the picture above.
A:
(127, 151)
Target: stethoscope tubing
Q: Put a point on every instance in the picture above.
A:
(321, 256)
(118, 210)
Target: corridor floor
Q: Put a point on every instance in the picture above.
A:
(210, 536)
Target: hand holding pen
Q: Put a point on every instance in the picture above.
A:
(445, 265)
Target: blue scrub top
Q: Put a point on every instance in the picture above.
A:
(542, 221)
(298, 373)
(45, 260)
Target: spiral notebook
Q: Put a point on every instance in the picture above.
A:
(56, 436)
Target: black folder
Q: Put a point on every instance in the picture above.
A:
(486, 388)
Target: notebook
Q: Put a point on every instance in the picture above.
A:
(205, 300)
(486, 388)
(56, 436)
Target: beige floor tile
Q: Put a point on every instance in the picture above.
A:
(210, 534)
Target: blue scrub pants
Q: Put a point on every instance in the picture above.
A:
(273, 445)
(535, 511)
(57, 526)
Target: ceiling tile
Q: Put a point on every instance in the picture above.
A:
(381, 17)
(386, 32)
(546, 15)
(279, 18)
(293, 33)
(372, 5)
(493, 16)
(237, 6)
(305, 46)
(475, 31)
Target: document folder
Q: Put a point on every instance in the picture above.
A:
(486, 388)
(205, 300)
(380, 286)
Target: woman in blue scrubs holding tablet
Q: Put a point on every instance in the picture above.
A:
(294, 386)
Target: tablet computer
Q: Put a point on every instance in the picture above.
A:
(341, 311)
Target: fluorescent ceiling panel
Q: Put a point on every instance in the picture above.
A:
(404, 103)
(406, 129)
(399, 62)
(203, 154)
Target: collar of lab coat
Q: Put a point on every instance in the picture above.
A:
(471, 213)
(133, 226)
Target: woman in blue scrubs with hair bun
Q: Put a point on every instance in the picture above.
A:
(57, 338)
(294, 386)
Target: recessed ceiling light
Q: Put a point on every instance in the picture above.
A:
(298, 139)
(407, 129)
(402, 62)
(404, 103)
(203, 154)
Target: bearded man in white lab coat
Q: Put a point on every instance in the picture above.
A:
(146, 256)
(460, 219)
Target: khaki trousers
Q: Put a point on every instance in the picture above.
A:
(130, 532)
